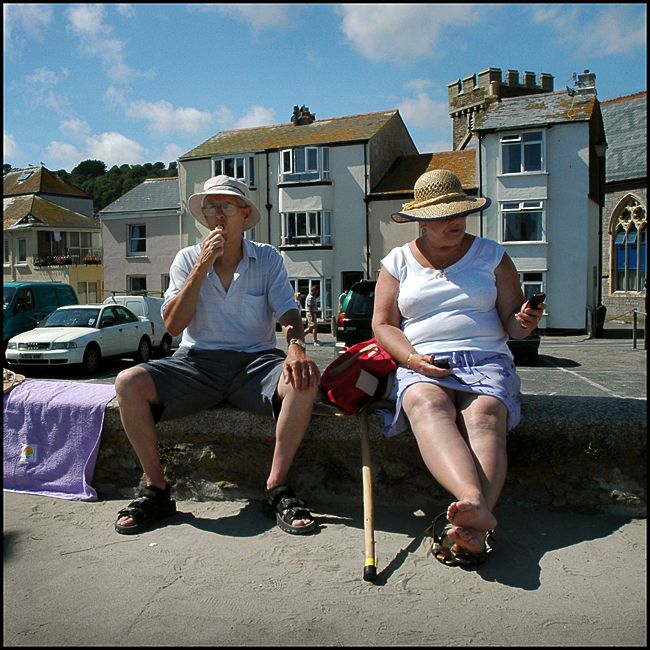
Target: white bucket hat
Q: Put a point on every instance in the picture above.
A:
(223, 185)
(438, 194)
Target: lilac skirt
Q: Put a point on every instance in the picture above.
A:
(480, 373)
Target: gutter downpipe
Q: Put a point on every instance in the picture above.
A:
(268, 197)
(480, 181)
(365, 200)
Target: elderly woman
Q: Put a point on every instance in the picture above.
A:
(445, 304)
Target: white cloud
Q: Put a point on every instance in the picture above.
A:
(114, 149)
(62, 155)
(422, 111)
(40, 87)
(9, 147)
(87, 22)
(170, 153)
(164, 118)
(20, 19)
(618, 29)
(404, 31)
(75, 129)
(256, 116)
(256, 16)
(110, 147)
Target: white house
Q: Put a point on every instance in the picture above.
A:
(541, 161)
(311, 180)
(141, 232)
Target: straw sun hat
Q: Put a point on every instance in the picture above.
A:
(10, 380)
(438, 194)
(230, 187)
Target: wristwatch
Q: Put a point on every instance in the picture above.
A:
(299, 342)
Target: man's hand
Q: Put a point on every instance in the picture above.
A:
(299, 370)
(212, 246)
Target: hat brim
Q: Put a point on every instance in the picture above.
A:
(10, 380)
(442, 211)
(194, 206)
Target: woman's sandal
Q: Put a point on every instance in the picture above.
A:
(442, 547)
(152, 505)
(282, 504)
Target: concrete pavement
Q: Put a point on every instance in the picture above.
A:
(219, 573)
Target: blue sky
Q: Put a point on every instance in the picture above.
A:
(136, 83)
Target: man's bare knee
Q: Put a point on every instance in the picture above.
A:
(135, 383)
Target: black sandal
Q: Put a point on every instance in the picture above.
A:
(152, 505)
(283, 505)
(442, 547)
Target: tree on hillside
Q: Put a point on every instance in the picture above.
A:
(107, 186)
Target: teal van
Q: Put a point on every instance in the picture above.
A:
(24, 304)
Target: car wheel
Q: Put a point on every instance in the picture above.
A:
(165, 348)
(92, 359)
(143, 353)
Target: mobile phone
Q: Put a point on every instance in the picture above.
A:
(536, 300)
(441, 363)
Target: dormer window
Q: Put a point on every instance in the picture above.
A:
(305, 164)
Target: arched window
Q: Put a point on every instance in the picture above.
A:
(629, 252)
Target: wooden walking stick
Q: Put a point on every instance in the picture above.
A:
(370, 559)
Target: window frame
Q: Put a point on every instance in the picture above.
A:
(131, 238)
(520, 138)
(524, 206)
(629, 278)
(247, 163)
(304, 164)
(317, 228)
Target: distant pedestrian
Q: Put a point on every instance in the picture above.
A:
(311, 305)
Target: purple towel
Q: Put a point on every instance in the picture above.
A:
(52, 431)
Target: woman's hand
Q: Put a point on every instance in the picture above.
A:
(423, 363)
(528, 317)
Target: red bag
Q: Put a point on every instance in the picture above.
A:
(358, 375)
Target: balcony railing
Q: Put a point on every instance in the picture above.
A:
(84, 256)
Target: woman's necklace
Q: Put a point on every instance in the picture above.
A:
(449, 260)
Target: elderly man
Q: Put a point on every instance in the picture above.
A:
(225, 295)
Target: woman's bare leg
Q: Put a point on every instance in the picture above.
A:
(483, 422)
(432, 415)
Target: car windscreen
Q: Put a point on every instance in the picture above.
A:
(7, 296)
(82, 317)
(360, 305)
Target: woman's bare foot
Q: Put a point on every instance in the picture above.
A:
(467, 539)
(469, 513)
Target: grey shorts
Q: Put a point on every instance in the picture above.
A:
(194, 380)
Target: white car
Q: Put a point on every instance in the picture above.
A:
(83, 334)
(149, 306)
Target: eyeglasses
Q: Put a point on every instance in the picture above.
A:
(228, 208)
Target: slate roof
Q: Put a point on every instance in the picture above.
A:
(400, 178)
(151, 194)
(536, 110)
(626, 131)
(34, 211)
(40, 181)
(337, 130)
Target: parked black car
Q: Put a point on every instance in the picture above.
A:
(354, 324)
